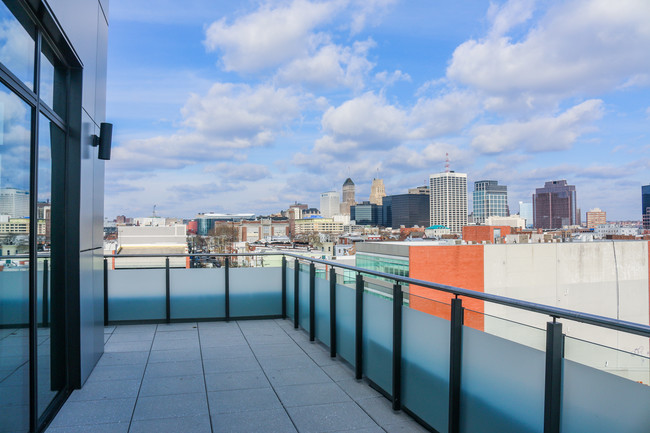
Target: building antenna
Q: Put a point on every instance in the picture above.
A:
(154, 211)
(447, 162)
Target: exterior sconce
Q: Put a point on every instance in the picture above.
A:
(104, 141)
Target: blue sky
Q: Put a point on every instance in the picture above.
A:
(249, 106)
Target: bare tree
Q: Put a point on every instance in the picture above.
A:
(224, 236)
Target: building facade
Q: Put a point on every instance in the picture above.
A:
(367, 213)
(377, 191)
(554, 205)
(448, 200)
(348, 197)
(52, 102)
(330, 204)
(526, 212)
(596, 217)
(490, 199)
(406, 210)
(645, 206)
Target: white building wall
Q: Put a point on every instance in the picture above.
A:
(604, 278)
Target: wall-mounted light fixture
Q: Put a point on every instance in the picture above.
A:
(104, 140)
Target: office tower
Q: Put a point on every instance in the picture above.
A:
(377, 191)
(645, 206)
(424, 189)
(448, 200)
(14, 202)
(490, 199)
(406, 210)
(596, 217)
(554, 205)
(367, 213)
(348, 196)
(526, 212)
(330, 203)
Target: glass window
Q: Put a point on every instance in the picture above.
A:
(17, 45)
(53, 82)
(14, 242)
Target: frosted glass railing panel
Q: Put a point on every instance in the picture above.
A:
(502, 385)
(378, 340)
(514, 331)
(323, 310)
(345, 322)
(425, 366)
(197, 293)
(14, 293)
(304, 297)
(255, 292)
(136, 294)
(624, 364)
(290, 290)
(595, 401)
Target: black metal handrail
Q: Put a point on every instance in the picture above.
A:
(554, 312)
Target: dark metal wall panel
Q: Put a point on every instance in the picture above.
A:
(100, 84)
(98, 204)
(78, 20)
(88, 158)
(87, 314)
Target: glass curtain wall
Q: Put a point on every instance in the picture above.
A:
(33, 89)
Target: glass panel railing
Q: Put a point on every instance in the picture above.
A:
(345, 322)
(425, 366)
(632, 366)
(136, 294)
(378, 339)
(322, 300)
(510, 330)
(197, 293)
(303, 302)
(255, 292)
(290, 276)
(595, 401)
(502, 386)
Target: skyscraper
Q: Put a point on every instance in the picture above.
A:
(377, 191)
(329, 204)
(14, 202)
(645, 205)
(448, 200)
(490, 199)
(348, 196)
(554, 206)
(526, 212)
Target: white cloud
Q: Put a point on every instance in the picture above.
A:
(269, 36)
(220, 125)
(578, 47)
(368, 10)
(539, 134)
(368, 120)
(230, 172)
(451, 112)
(387, 79)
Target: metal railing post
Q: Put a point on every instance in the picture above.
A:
(553, 379)
(312, 302)
(455, 356)
(296, 294)
(358, 334)
(105, 292)
(397, 346)
(46, 295)
(284, 287)
(168, 304)
(227, 288)
(332, 312)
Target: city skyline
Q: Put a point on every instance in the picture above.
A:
(208, 119)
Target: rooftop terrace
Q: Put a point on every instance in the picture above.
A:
(239, 376)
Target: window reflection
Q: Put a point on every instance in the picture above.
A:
(14, 269)
(52, 90)
(17, 46)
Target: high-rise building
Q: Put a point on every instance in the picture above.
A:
(330, 203)
(596, 217)
(377, 191)
(448, 200)
(348, 196)
(554, 205)
(490, 199)
(14, 202)
(406, 210)
(367, 213)
(645, 206)
(526, 212)
(424, 189)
